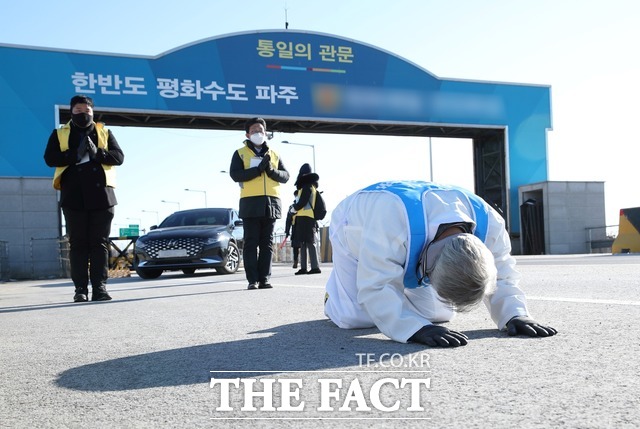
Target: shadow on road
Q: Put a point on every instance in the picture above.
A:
(304, 346)
(75, 305)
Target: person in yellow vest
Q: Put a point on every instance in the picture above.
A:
(84, 154)
(306, 226)
(259, 171)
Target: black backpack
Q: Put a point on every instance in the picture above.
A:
(319, 209)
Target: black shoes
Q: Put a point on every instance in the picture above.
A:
(97, 294)
(311, 271)
(295, 265)
(261, 285)
(100, 294)
(80, 296)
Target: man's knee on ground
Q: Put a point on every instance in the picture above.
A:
(346, 323)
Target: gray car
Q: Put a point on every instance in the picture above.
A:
(189, 240)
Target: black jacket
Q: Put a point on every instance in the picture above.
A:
(84, 186)
(304, 182)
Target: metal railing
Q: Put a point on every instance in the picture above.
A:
(4, 261)
(601, 238)
(285, 253)
(49, 257)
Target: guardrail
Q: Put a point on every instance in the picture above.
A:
(284, 252)
(4, 261)
(122, 258)
(601, 238)
(48, 257)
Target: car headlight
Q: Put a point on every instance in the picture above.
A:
(141, 244)
(212, 240)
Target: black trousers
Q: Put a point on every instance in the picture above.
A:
(258, 248)
(88, 232)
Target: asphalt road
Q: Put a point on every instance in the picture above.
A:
(168, 353)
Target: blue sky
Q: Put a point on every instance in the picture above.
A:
(585, 50)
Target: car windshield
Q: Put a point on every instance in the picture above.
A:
(199, 217)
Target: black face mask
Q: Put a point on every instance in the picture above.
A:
(82, 120)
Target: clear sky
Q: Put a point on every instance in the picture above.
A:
(586, 50)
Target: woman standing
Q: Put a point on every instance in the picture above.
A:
(307, 188)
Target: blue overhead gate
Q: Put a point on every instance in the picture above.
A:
(299, 81)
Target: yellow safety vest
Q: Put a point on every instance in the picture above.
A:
(263, 184)
(307, 210)
(103, 137)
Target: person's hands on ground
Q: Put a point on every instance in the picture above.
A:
(527, 326)
(439, 336)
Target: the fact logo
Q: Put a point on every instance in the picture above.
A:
(385, 384)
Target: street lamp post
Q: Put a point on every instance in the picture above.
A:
(139, 223)
(171, 202)
(204, 192)
(308, 145)
(135, 218)
(153, 211)
(430, 162)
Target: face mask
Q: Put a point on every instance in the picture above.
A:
(257, 139)
(82, 120)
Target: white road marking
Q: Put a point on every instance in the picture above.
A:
(583, 300)
(531, 298)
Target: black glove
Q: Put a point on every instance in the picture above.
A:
(527, 326)
(91, 148)
(265, 164)
(82, 150)
(439, 336)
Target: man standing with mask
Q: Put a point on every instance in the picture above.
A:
(259, 171)
(84, 154)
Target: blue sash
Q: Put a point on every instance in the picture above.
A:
(411, 193)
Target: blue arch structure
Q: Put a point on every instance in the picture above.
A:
(271, 73)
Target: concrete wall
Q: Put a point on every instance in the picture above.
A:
(30, 228)
(569, 208)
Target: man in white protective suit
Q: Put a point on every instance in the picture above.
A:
(408, 254)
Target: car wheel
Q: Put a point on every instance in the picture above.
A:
(188, 271)
(233, 260)
(148, 274)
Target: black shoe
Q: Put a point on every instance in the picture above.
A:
(80, 297)
(295, 265)
(265, 285)
(301, 271)
(252, 286)
(314, 271)
(100, 294)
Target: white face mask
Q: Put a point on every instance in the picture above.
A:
(257, 139)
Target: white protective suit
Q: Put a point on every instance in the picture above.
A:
(369, 235)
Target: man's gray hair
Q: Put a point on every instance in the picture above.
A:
(464, 272)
